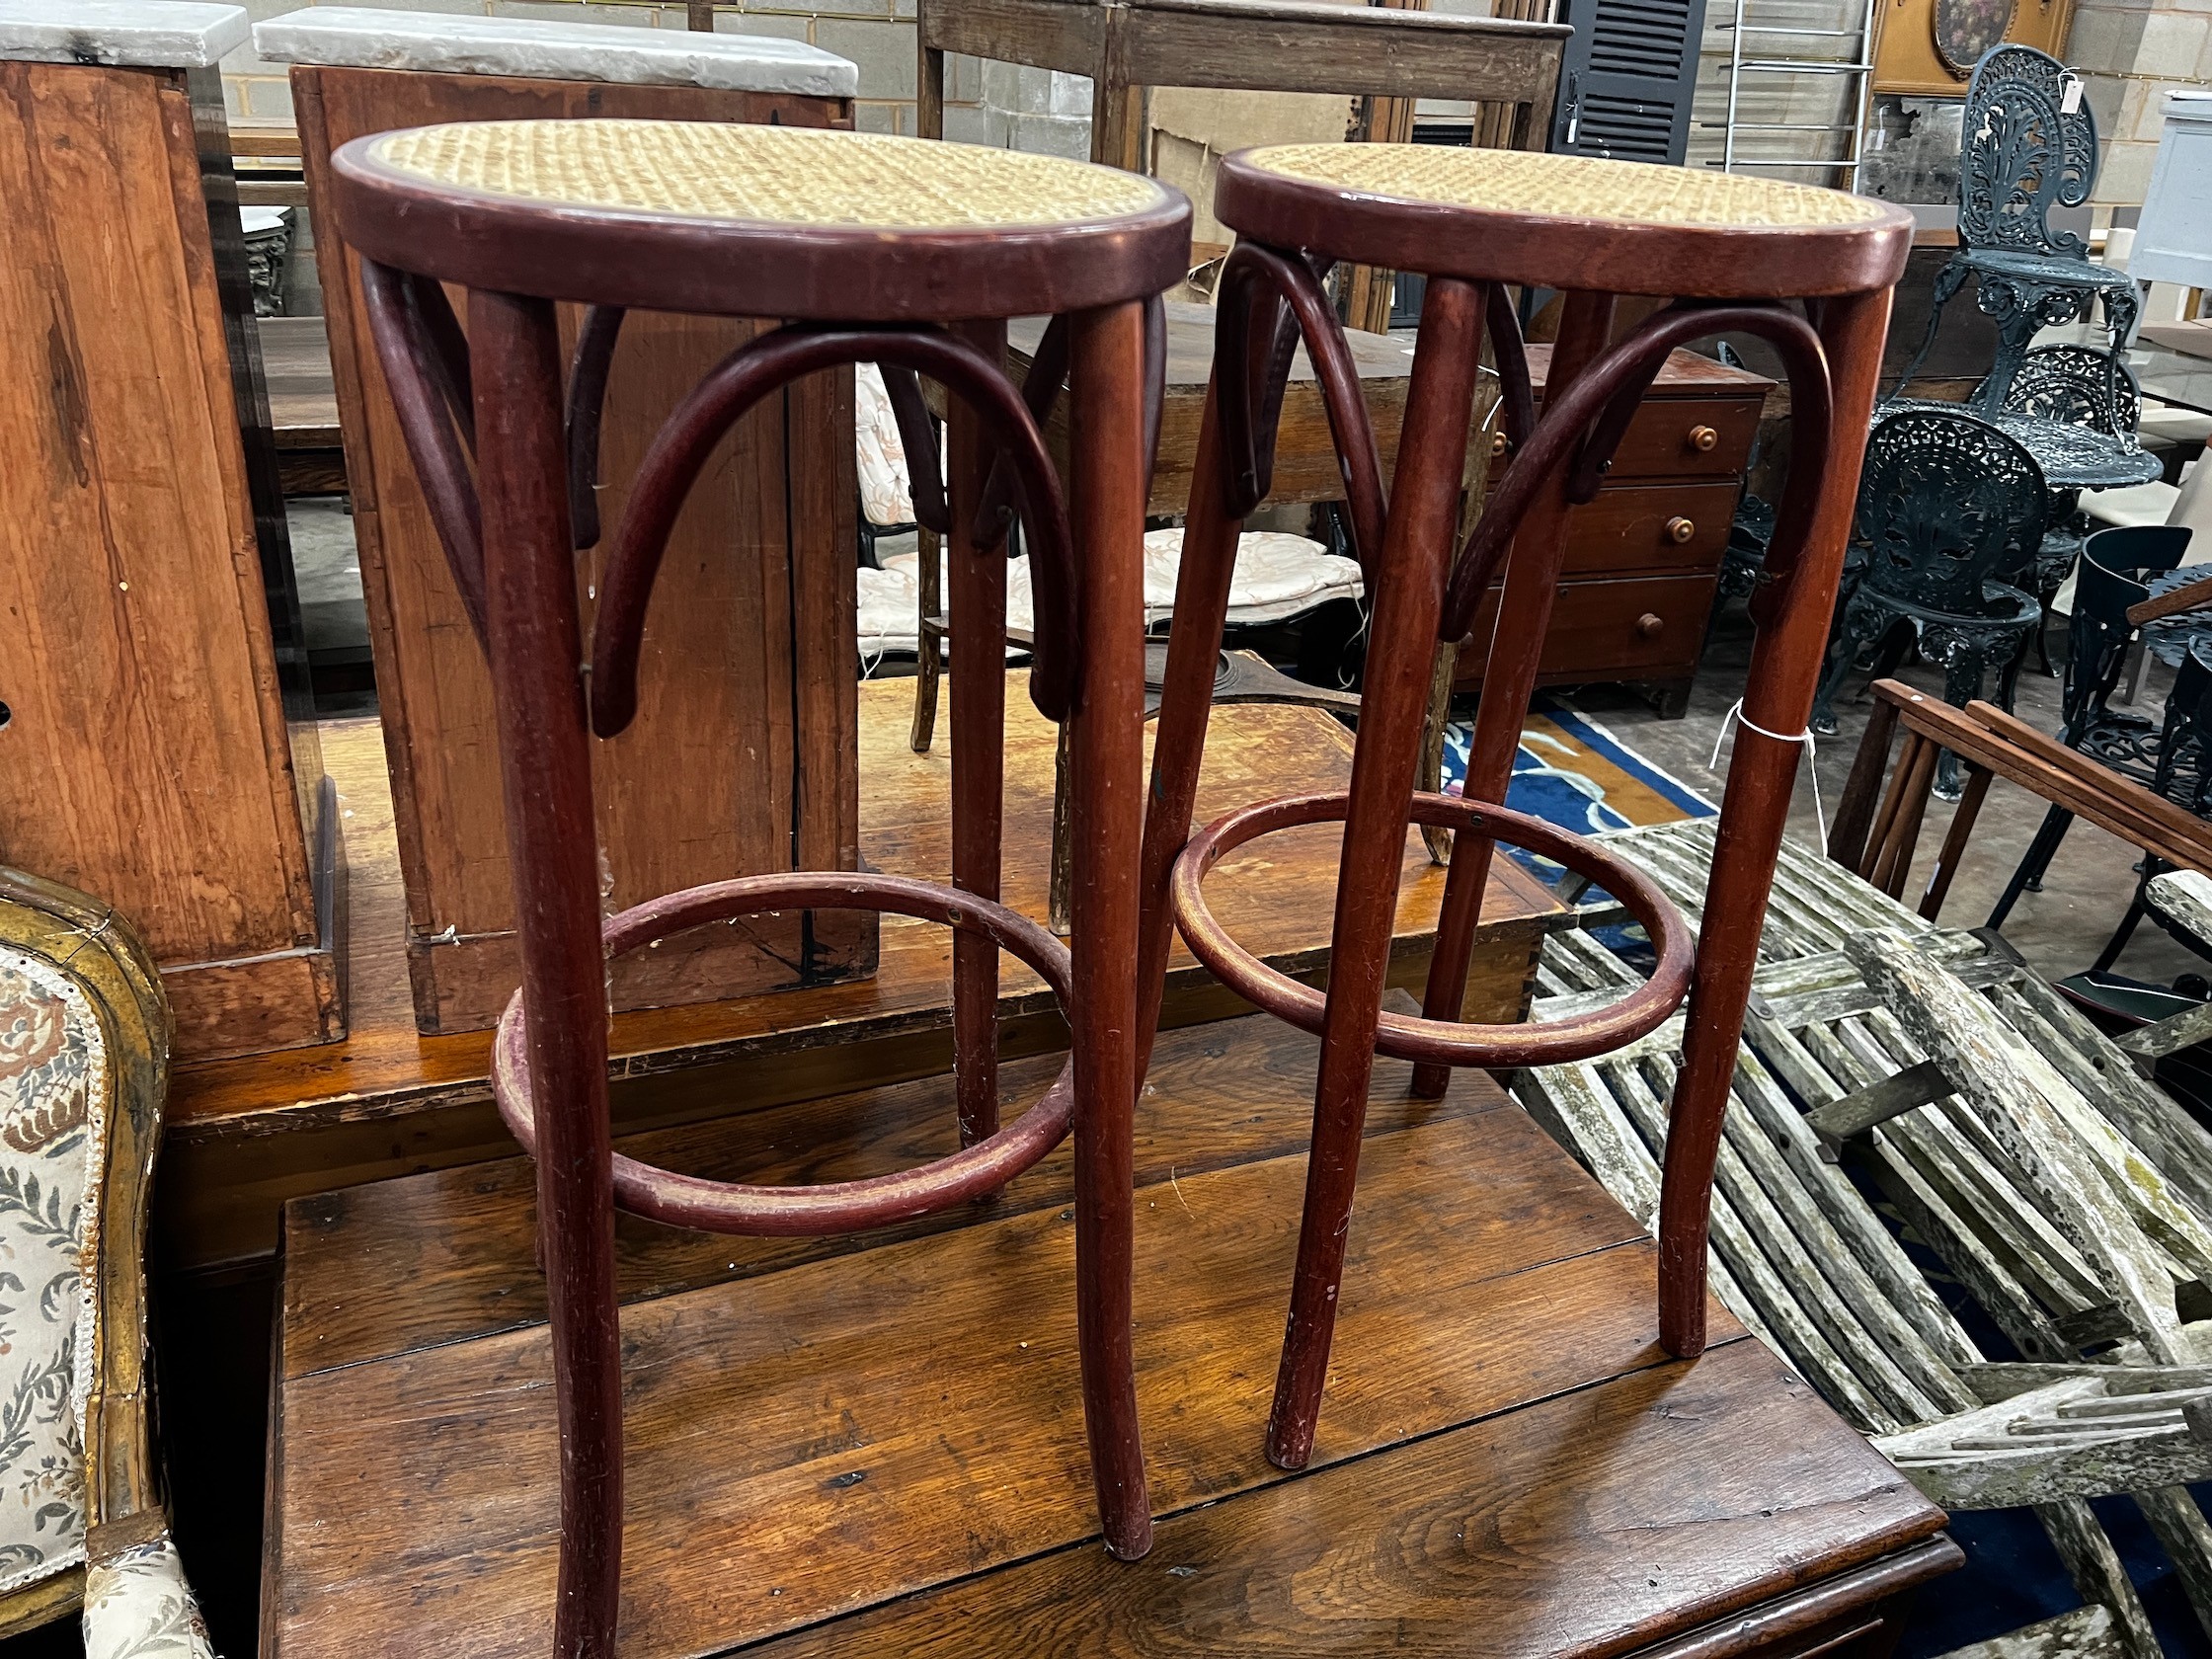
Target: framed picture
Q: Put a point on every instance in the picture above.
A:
(1928, 49)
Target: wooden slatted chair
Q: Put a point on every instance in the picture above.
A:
(1801, 1255)
(84, 1067)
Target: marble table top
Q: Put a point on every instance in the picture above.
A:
(363, 37)
(121, 33)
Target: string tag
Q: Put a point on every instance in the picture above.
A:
(1736, 717)
(2070, 93)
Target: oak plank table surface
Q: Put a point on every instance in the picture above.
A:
(242, 1137)
(873, 1446)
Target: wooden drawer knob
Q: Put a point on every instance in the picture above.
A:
(1704, 439)
(1649, 626)
(1679, 529)
(1498, 443)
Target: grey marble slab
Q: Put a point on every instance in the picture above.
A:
(122, 34)
(361, 38)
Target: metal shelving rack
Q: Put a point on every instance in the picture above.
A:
(1861, 65)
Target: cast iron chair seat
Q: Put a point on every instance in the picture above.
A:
(1950, 513)
(898, 252)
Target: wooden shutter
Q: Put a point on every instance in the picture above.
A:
(1625, 87)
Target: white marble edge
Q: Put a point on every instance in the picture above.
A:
(363, 37)
(121, 33)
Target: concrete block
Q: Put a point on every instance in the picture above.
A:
(2105, 39)
(977, 123)
(2126, 174)
(875, 117)
(964, 78)
(570, 11)
(267, 99)
(883, 50)
(783, 28)
(1055, 135)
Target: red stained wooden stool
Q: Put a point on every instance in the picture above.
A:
(1728, 250)
(892, 251)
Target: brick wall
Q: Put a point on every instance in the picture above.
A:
(2131, 53)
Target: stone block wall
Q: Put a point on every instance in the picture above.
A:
(2131, 53)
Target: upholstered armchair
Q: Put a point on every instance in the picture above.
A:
(84, 1067)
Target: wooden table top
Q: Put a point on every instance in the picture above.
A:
(873, 1446)
(244, 1134)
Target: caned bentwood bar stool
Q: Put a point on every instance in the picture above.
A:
(900, 252)
(1727, 250)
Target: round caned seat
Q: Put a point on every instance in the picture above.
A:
(1511, 216)
(777, 222)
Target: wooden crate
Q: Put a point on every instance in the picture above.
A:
(157, 749)
(741, 759)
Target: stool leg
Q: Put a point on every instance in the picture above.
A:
(1786, 662)
(1106, 807)
(978, 614)
(545, 766)
(1194, 646)
(1531, 578)
(1408, 598)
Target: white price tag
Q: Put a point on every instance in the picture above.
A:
(2070, 98)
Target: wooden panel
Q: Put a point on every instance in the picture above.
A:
(1590, 1526)
(144, 756)
(776, 1445)
(703, 786)
(1635, 628)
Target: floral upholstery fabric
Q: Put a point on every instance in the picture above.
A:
(138, 1606)
(53, 1088)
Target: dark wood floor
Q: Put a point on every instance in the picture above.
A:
(874, 1447)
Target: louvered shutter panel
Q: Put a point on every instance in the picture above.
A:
(1630, 69)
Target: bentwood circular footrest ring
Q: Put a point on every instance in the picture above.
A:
(691, 1201)
(1441, 1042)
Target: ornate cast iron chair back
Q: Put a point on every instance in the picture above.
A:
(1946, 503)
(2083, 386)
(2023, 153)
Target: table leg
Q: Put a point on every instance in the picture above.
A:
(977, 613)
(1532, 579)
(1105, 736)
(545, 768)
(1785, 664)
(1194, 644)
(1409, 601)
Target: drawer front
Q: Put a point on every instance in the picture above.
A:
(1677, 437)
(1636, 628)
(1676, 529)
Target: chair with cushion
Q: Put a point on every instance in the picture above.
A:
(2024, 152)
(1950, 516)
(84, 1067)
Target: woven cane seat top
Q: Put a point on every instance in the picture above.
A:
(619, 206)
(1565, 221)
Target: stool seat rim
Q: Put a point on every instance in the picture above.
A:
(632, 252)
(1364, 216)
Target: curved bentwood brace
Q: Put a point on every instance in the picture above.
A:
(1271, 299)
(510, 535)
